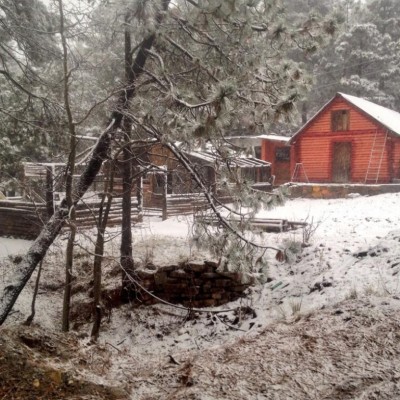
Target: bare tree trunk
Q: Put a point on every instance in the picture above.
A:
(29, 320)
(99, 252)
(51, 230)
(69, 258)
(126, 226)
(139, 194)
(69, 263)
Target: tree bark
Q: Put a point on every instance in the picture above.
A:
(126, 259)
(29, 320)
(69, 263)
(52, 228)
(69, 184)
(126, 226)
(99, 251)
(139, 194)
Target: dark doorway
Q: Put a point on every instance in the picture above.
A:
(341, 162)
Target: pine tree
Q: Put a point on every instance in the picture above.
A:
(196, 68)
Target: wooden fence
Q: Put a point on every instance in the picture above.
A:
(169, 205)
(25, 219)
(21, 219)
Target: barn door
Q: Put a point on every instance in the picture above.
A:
(341, 162)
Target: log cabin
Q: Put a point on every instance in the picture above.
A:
(350, 140)
(163, 172)
(208, 164)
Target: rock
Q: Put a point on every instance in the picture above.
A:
(160, 278)
(195, 267)
(210, 275)
(179, 274)
(212, 264)
(319, 286)
(353, 195)
(372, 252)
(151, 267)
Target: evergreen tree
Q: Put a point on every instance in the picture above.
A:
(195, 68)
(29, 121)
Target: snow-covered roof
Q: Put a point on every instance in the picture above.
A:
(386, 117)
(275, 137)
(389, 118)
(241, 162)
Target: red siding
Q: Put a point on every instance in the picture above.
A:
(280, 169)
(396, 158)
(358, 120)
(314, 146)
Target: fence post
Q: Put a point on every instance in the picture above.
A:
(49, 192)
(139, 195)
(164, 195)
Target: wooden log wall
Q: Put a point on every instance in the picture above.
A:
(21, 219)
(25, 219)
(279, 169)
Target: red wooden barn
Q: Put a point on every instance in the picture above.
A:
(349, 140)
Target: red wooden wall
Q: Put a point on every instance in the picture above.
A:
(280, 169)
(314, 146)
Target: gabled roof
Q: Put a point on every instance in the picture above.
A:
(388, 118)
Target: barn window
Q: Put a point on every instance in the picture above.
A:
(282, 153)
(340, 120)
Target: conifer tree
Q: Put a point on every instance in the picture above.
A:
(197, 66)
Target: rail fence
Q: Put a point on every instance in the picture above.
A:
(25, 219)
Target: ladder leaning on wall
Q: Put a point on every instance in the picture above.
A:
(298, 172)
(376, 158)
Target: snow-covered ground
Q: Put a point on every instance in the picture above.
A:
(353, 255)
(12, 247)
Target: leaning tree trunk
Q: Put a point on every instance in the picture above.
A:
(51, 230)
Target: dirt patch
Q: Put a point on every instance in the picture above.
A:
(31, 367)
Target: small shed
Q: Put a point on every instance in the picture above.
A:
(208, 163)
(350, 140)
(276, 150)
